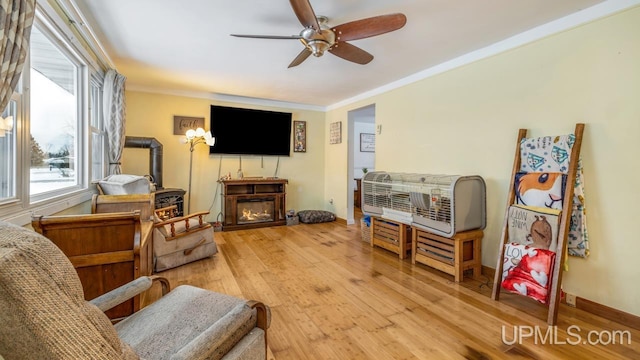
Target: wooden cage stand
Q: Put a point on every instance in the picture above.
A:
(452, 255)
(563, 231)
(391, 235)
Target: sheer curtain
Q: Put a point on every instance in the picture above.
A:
(114, 112)
(16, 18)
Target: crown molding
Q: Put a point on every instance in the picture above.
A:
(593, 13)
(226, 98)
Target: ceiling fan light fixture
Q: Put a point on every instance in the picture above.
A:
(317, 37)
(318, 47)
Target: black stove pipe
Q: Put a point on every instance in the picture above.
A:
(155, 156)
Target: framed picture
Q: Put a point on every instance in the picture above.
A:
(183, 123)
(367, 142)
(335, 133)
(299, 136)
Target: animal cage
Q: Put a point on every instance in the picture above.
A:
(440, 204)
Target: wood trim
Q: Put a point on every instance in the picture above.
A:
(488, 272)
(254, 225)
(591, 307)
(101, 259)
(263, 320)
(608, 313)
(563, 233)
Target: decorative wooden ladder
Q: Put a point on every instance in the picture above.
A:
(563, 231)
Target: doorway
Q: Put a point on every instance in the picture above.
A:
(361, 157)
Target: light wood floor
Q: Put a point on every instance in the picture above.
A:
(334, 297)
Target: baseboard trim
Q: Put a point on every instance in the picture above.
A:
(341, 221)
(589, 306)
(488, 272)
(608, 313)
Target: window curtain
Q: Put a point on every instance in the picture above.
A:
(16, 19)
(114, 111)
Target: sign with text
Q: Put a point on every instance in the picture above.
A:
(183, 123)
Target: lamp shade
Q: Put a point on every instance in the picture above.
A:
(209, 139)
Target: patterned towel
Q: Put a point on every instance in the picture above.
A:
(533, 226)
(551, 154)
(540, 189)
(528, 271)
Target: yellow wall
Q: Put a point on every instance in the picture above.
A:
(465, 121)
(151, 115)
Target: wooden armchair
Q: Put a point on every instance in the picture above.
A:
(180, 240)
(176, 240)
(145, 203)
(180, 225)
(44, 314)
(106, 250)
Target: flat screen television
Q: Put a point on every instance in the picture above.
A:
(250, 132)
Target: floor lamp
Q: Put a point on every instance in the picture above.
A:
(193, 138)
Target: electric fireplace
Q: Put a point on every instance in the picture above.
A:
(253, 202)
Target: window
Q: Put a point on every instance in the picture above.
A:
(98, 134)
(8, 151)
(52, 138)
(54, 107)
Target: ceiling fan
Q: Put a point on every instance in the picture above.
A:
(318, 37)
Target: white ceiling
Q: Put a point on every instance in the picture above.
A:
(185, 45)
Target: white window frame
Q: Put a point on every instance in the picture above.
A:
(97, 128)
(20, 209)
(17, 100)
(81, 112)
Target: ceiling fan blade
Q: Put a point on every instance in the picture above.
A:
(304, 54)
(368, 27)
(294, 37)
(305, 14)
(351, 53)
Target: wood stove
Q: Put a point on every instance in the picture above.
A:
(254, 202)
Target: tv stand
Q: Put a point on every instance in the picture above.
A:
(253, 202)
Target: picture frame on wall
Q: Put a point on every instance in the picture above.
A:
(183, 123)
(367, 142)
(299, 136)
(335, 133)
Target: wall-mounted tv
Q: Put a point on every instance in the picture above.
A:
(250, 132)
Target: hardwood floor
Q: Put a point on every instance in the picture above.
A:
(332, 296)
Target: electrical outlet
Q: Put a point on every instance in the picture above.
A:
(571, 299)
(331, 201)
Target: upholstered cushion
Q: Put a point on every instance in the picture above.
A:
(42, 307)
(189, 321)
(315, 216)
(123, 184)
(170, 252)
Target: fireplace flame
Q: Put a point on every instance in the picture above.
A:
(249, 215)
